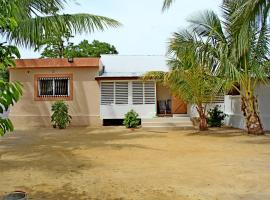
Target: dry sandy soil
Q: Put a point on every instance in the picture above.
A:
(117, 164)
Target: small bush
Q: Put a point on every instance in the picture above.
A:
(131, 119)
(60, 117)
(215, 117)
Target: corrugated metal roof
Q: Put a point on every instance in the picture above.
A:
(132, 66)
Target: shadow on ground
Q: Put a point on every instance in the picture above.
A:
(42, 146)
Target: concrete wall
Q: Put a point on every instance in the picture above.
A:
(233, 108)
(163, 93)
(84, 108)
(192, 112)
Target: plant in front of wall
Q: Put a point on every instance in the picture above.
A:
(215, 117)
(60, 117)
(131, 119)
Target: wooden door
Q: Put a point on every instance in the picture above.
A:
(178, 106)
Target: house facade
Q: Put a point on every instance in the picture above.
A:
(106, 88)
(96, 89)
(48, 80)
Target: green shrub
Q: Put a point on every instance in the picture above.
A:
(60, 117)
(215, 117)
(131, 119)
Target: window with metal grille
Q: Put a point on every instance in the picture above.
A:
(121, 93)
(137, 93)
(149, 93)
(143, 93)
(53, 87)
(107, 93)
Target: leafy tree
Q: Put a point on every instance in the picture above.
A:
(59, 49)
(190, 77)
(9, 92)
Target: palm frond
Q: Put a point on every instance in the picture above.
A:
(167, 4)
(208, 24)
(32, 31)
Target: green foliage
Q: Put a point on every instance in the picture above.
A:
(131, 119)
(61, 47)
(60, 117)
(30, 22)
(9, 94)
(215, 117)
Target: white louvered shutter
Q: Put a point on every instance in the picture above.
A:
(107, 93)
(149, 93)
(137, 93)
(121, 93)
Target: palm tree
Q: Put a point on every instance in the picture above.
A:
(38, 20)
(29, 23)
(245, 65)
(190, 77)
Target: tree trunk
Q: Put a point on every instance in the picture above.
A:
(203, 120)
(250, 110)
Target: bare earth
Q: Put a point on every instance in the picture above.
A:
(118, 164)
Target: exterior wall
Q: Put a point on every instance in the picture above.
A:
(233, 108)
(118, 111)
(192, 112)
(84, 107)
(163, 93)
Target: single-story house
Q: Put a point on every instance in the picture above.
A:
(98, 89)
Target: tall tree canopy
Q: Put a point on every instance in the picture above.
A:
(57, 49)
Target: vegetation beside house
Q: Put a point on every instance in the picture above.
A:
(190, 77)
(29, 24)
(238, 47)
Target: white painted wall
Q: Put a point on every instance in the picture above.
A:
(233, 108)
(119, 111)
(192, 112)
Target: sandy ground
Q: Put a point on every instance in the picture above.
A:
(118, 164)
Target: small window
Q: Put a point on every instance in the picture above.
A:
(107, 93)
(121, 93)
(114, 93)
(53, 87)
(143, 93)
(149, 93)
(137, 92)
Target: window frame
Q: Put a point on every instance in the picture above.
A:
(131, 98)
(53, 98)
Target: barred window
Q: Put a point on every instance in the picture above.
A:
(53, 87)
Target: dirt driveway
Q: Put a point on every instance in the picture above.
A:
(117, 164)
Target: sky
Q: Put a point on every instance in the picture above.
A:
(145, 29)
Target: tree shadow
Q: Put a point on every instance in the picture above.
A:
(219, 132)
(54, 151)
